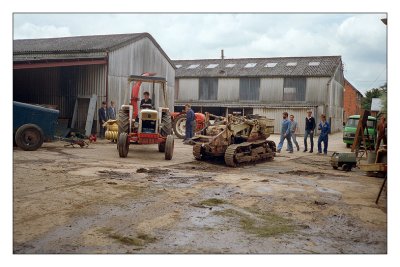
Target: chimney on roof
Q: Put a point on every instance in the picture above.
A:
(222, 53)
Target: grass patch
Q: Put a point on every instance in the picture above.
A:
(262, 224)
(139, 240)
(212, 202)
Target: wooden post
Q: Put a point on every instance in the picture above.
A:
(362, 124)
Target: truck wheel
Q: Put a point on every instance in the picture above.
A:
(161, 147)
(335, 167)
(169, 147)
(179, 126)
(29, 137)
(348, 145)
(123, 145)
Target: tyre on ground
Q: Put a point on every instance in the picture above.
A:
(123, 145)
(169, 147)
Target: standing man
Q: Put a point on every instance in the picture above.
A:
(309, 130)
(111, 112)
(293, 129)
(325, 128)
(102, 117)
(190, 121)
(285, 134)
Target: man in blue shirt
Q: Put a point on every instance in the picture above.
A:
(325, 128)
(285, 134)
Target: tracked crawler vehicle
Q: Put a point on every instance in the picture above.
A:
(238, 139)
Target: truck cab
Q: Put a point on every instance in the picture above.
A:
(350, 128)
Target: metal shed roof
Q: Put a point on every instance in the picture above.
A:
(78, 46)
(240, 67)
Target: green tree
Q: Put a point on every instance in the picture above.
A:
(374, 93)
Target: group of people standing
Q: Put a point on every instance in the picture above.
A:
(289, 128)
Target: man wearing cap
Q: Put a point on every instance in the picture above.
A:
(309, 131)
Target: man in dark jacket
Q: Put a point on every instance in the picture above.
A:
(111, 112)
(190, 122)
(102, 118)
(309, 130)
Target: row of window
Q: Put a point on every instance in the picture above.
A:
(249, 65)
(294, 89)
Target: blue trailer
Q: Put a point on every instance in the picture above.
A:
(32, 125)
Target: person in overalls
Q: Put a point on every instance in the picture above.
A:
(325, 128)
(190, 123)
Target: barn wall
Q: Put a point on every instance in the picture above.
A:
(135, 59)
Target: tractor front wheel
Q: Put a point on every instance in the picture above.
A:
(123, 145)
(169, 147)
(161, 147)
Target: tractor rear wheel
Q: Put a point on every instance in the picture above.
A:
(166, 124)
(123, 145)
(169, 147)
(29, 137)
(179, 126)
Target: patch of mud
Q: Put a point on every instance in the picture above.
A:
(59, 150)
(215, 166)
(319, 161)
(153, 171)
(319, 175)
(180, 181)
(114, 174)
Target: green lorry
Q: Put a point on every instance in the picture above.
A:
(349, 131)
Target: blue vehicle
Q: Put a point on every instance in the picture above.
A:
(32, 125)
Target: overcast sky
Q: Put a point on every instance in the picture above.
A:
(359, 38)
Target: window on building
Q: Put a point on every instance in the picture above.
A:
(208, 88)
(270, 65)
(250, 65)
(178, 66)
(211, 66)
(291, 64)
(313, 63)
(249, 89)
(230, 65)
(294, 89)
(193, 66)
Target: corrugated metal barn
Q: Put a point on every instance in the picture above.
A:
(56, 71)
(264, 86)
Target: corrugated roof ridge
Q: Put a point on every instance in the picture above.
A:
(255, 58)
(133, 37)
(80, 36)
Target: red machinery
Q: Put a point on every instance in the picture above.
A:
(179, 123)
(149, 126)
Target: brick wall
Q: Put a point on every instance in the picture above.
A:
(351, 100)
